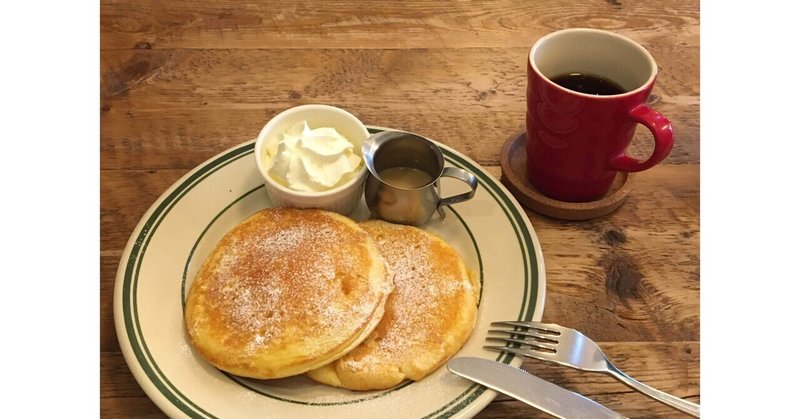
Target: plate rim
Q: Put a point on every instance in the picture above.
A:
(473, 405)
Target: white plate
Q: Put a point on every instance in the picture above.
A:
(490, 231)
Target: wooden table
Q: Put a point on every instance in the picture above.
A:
(184, 80)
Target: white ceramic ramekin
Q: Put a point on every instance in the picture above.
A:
(342, 199)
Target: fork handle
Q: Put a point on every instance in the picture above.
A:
(668, 399)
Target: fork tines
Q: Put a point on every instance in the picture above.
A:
(526, 338)
(550, 328)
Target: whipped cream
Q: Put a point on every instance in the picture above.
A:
(311, 160)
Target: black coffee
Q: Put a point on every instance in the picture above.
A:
(587, 83)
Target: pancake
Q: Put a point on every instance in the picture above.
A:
(428, 317)
(286, 291)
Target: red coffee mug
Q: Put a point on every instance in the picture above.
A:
(576, 141)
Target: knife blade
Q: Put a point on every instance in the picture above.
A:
(529, 389)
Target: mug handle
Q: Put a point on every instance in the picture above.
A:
(663, 134)
(463, 176)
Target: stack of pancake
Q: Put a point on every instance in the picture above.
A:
(359, 306)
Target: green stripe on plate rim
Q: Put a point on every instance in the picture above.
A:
(130, 281)
(133, 265)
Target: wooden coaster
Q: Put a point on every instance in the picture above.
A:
(513, 161)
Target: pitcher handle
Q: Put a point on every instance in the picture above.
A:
(463, 176)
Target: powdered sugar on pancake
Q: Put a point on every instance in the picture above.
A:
(424, 300)
(287, 278)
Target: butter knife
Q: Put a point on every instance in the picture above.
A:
(529, 389)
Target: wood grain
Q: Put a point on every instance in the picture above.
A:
(357, 24)
(201, 102)
(184, 80)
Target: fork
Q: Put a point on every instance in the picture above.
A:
(569, 347)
